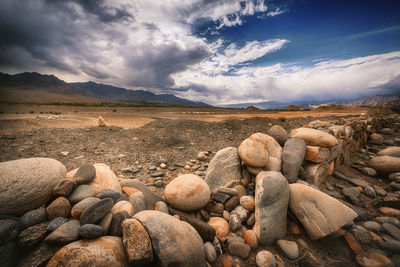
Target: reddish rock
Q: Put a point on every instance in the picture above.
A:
(58, 208)
(64, 188)
(221, 226)
(314, 137)
(250, 238)
(253, 152)
(136, 242)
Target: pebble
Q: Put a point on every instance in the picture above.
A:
(96, 211)
(66, 233)
(242, 212)
(157, 174)
(163, 166)
(241, 190)
(232, 203)
(229, 191)
(79, 207)
(55, 223)
(161, 206)
(121, 206)
(105, 223)
(239, 249)
(81, 192)
(226, 215)
(251, 219)
(392, 230)
(394, 176)
(375, 259)
(234, 222)
(91, 231)
(201, 156)
(221, 226)
(33, 217)
(372, 226)
(211, 253)
(220, 197)
(137, 200)
(116, 223)
(289, 248)
(265, 258)
(60, 207)
(389, 211)
(85, 174)
(159, 183)
(109, 193)
(152, 168)
(250, 238)
(247, 202)
(253, 153)
(64, 188)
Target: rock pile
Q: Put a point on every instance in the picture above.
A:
(269, 201)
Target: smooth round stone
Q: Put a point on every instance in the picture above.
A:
(187, 192)
(109, 193)
(27, 184)
(386, 131)
(66, 233)
(55, 223)
(96, 211)
(91, 231)
(265, 258)
(376, 139)
(290, 248)
(85, 174)
(234, 222)
(201, 156)
(253, 153)
(175, 243)
(247, 202)
(393, 151)
(274, 151)
(368, 171)
(278, 133)
(293, 154)
(314, 137)
(211, 253)
(250, 238)
(161, 206)
(241, 190)
(106, 223)
(33, 217)
(220, 225)
(80, 207)
(58, 208)
(9, 229)
(81, 192)
(122, 206)
(102, 251)
(385, 164)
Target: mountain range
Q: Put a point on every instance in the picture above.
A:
(34, 87)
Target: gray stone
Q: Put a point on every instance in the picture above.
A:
(33, 217)
(85, 174)
(368, 171)
(289, 248)
(81, 192)
(32, 235)
(242, 212)
(271, 202)
(278, 133)
(80, 207)
(55, 223)
(220, 197)
(293, 155)
(385, 164)
(161, 206)
(9, 229)
(224, 169)
(174, 242)
(39, 256)
(211, 253)
(231, 203)
(392, 230)
(239, 249)
(392, 220)
(372, 226)
(91, 231)
(66, 233)
(106, 223)
(157, 174)
(116, 223)
(109, 193)
(150, 197)
(234, 222)
(229, 191)
(369, 191)
(137, 200)
(96, 211)
(27, 184)
(353, 194)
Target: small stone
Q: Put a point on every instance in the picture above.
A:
(376, 139)
(242, 212)
(58, 208)
(392, 230)
(64, 188)
(33, 217)
(116, 223)
(234, 222)
(289, 248)
(152, 168)
(353, 194)
(161, 206)
(129, 190)
(159, 183)
(79, 207)
(137, 242)
(251, 219)
(379, 190)
(96, 211)
(66, 233)
(109, 193)
(64, 153)
(85, 174)
(220, 197)
(389, 211)
(91, 231)
(105, 223)
(278, 133)
(201, 156)
(226, 215)
(163, 166)
(138, 201)
(375, 259)
(394, 176)
(369, 191)
(250, 238)
(81, 192)
(368, 171)
(314, 137)
(157, 174)
(253, 153)
(247, 202)
(122, 206)
(385, 164)
(372, 226)
(265, 258)
(211, 253)
(32, 235)
(221, 226)
(229, 191)
(239, 249)
(232, 203)
(241, 190)
(9, 229)
(55, 223)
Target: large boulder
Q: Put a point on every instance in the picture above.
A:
(224, 169)
(271, 203)
(319, 213)
(105, 178)
(274, 151)
(393, 151)
(292, 158)
(103, 251)
(253, 152)
(187, 192)
(314, 137)
(27, 184)
(385, 164)
(175, 243)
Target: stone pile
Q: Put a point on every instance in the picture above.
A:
(263, 203)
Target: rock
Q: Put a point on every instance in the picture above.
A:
(137, 242)
(353, 194)
(101, 122)
(66, 233)
(393, 151)
(317, 154)
(105, 178)
(247, 202)
(220, 197)
(250, 238)
(278, 133)
(314, 137)
(319, 213)
(116, 223)
(385, 164)
(138, 201)
(372, 259)
(274, 151)
(265, 258)
(201, 156)
(122, 206)
(316, 173)
(103, 251)
(79, 207)
(228, 191)
(64, 188)
(379, 190)
(161, 206)
(239, 249)
(376, 139)
(150, 197)
(85, 174)
(221, 226)
(55, 223)
(392, 230)
(109, 193)
(372, 226)
(242, 212)
(157, 174)
(33, 217)
(174, 242)
(271, 202)
(96, 211)
(368, 171)
(91, 231)
(39, 256)
(32, 235)
(251, 219)
(129, 190)
(253, 170)
(187, 192)
(390, 211)
(232, 203)
(241, 190)
(369, 191)
(28, 183)
(9, 229)
(234, 222)
(253, 152)
(394, 176)
(210, 252)
(292, 158)
(289, 248)
(9, 253)
(81, 192)
(224, 169)
(58, 208)
(105, 223)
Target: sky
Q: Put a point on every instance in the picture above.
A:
(216, 51)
